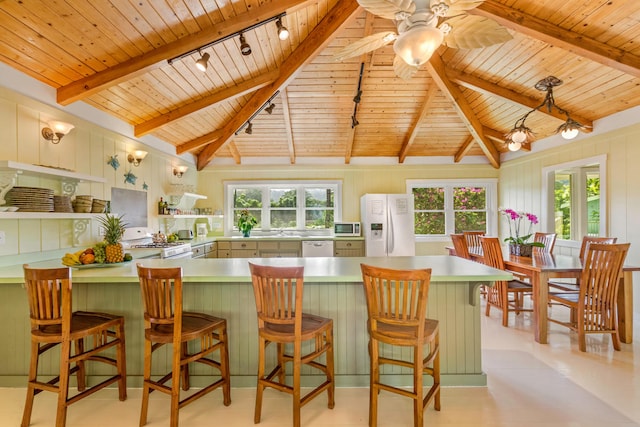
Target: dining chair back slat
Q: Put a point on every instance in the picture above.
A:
(460, 246)
(547, 239)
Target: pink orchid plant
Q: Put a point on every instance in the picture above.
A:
(515, 223)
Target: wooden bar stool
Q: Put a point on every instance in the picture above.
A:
(397, 306)
(166, 323)
(278, 293)
(54, 323)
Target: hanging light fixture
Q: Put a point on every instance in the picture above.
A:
(521, 134)
(203, 62)
(283, 33)
(245, 49)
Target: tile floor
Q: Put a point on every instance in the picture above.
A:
(529, 385)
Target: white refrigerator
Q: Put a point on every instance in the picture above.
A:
(388, 224)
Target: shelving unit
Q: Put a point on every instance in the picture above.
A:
(9, 172)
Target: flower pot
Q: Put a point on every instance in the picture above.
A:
(246, 233)
(523, 249)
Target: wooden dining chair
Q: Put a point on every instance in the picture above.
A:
(498, 294)
(278, 294)
(473, 238)
(573, 285)
(460, 246)
(166, 323)
(397, 316)
(594, 307)
(547, 239)
(82, 337)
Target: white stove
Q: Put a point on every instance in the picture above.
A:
(140, 238)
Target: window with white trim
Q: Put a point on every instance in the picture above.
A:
(284, 205)
(444, 207)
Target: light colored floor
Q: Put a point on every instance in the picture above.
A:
(529, 385)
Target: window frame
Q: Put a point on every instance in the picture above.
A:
(491, 190)
(230, 228)
(579, 169)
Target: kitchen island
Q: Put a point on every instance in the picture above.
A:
(223, 287)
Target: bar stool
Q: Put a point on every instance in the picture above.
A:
(166, 323)
(397, 307)
(54, 323)
(278, 293)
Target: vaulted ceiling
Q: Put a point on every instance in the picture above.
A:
(114, 55)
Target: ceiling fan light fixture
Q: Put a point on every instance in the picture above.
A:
(203, 62)
(245, 49)
(283, 33)
(416, 45)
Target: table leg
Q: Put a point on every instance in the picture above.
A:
(625, 308)
(539, 282)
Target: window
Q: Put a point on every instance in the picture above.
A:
(575, 198)
(453, 206)
(283, 205)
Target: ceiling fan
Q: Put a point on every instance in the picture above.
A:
(422, 26)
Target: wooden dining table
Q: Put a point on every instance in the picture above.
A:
(540, 267)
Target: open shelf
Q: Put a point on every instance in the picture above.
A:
(46, 172)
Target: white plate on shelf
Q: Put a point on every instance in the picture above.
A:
(12, 208)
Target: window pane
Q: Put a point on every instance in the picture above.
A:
(318, 219)
(430, 223)
(469, 204)
(247, 198)
(593, 203)
(562, 205)
(430, 198)
(318, 197)
(283, 219)
(282, 197)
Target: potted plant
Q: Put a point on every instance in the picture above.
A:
(518, 242)
(246, 222)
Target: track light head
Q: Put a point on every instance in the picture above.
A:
(283, 33)
(245, 49)
(270, 108)
(203, 62)
(249, 129)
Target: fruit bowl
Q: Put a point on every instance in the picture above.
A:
(100, 265)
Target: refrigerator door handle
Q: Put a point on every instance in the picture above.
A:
(390, 239)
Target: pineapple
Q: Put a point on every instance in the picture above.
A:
(113, 231)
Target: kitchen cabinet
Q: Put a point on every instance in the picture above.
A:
(348, 248)
(205, 250)
(279, 248)
(240, 249)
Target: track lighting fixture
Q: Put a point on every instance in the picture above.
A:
(354, 121)
(521, 134)
(358, 98)
(245, 49)
(56, 130)
(283, 33)
(249, 129)
(270, 108)
(203, 62)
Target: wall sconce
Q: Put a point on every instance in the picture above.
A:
(179, 171)
(283, 33)
(56, 130)
(521, 134)
(137, 157)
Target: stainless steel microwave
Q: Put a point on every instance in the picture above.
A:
(346, 229)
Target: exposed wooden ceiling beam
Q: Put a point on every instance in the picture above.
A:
(286, 113)
(573, 42)
(222, 95)
(451, 91)
(483, 86)
(317, 40)
(466, 146)
(124, 71)
(408, 142)
(198, 142)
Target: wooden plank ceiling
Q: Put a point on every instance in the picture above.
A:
(113, 55)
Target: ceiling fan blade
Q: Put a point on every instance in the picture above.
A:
(402, 69)
(364, 45)
(388, 8)
(457, 6)
(472, 32)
